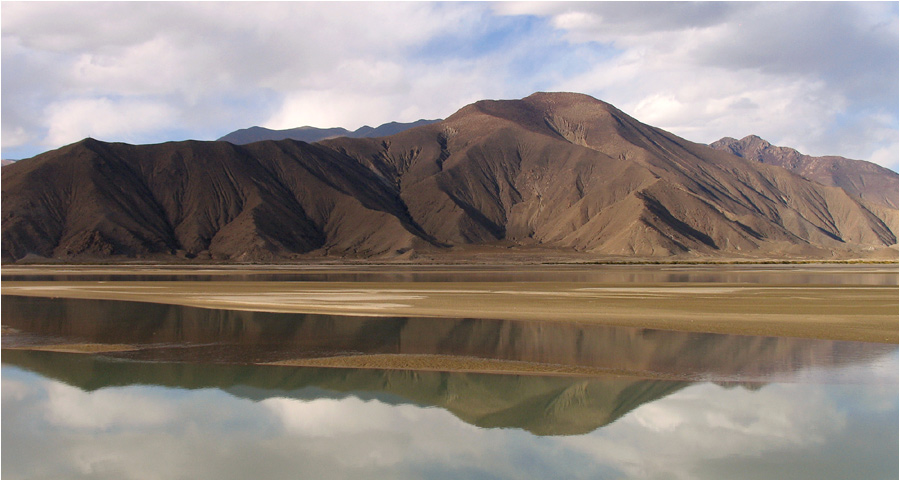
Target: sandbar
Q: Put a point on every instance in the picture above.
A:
(837, 312)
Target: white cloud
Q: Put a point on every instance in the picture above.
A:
(207, 65)
(886, 156)
(785, 71)
(15, 136)
(378, 92)
(788, 72)
(72, 120)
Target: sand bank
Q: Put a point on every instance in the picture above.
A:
(861, 313)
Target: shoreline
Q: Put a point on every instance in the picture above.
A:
(355, 263)
(834, 312)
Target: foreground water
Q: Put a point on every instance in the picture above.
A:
(121, 389)
(72, 416)
(188, 399)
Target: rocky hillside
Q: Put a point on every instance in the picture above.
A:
(564, 172)
(865, 180)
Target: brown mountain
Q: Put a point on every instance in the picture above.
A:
(562, 171)
(865, 180)
(314, 134)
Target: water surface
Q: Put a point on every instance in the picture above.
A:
(72, 415)
(186, 392)
(775, 274)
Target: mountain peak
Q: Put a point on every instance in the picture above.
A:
(563, 98)
(858, 178)
(756, 141)
(562, 172)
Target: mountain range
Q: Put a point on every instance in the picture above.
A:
(314, 134)
(559, 174)
(858, 178)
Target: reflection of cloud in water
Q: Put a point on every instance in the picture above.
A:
(277, 437)
(328, 417)
(150, 432)
(676, 436)
(69, 407)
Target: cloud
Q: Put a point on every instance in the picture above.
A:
(791, 72)
(211, 67)
(73, 120)
(788, 72)
(378, 92)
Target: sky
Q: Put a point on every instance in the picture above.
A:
(819, 77)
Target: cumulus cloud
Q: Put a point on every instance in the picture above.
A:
(789, 72)
(209, 67)
(821, 77)
(104, 118)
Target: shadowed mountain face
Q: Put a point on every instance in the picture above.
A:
(313, 134)
(564, 172)
(865, 180)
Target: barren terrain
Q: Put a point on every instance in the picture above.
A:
(774, 304)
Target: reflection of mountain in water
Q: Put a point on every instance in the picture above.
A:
(177, 333)
(543, 405)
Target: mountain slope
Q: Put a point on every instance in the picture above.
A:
(859, 178)
(570, 171)
(209, 198)
(313, 134)
(565, 172)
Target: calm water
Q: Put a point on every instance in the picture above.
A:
(862, 274)
(189, 400)
(72, 416)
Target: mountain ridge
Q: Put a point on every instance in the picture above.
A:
(866, 180)
(314, 134)
(562, 172)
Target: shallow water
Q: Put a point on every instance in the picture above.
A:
(188, 396)
(806, 274)
(162, 332)
(72, 415)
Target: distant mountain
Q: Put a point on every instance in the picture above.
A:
(859, 178)
(564, 172)
(313, 134)
(6, 162)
